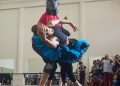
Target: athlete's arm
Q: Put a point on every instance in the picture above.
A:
(65, 21)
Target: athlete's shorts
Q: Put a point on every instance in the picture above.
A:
(50, 68)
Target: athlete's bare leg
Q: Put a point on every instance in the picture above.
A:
(44, 79)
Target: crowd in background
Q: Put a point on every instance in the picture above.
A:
(32, 78)
(81, 73)
(5, 78)
(104, 72)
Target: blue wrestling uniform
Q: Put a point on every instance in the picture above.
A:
(67, 54)
(46, 52)
(74, 52)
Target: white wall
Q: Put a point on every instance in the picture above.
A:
(27, 14)
(102, 23)
(99, 21)
(8, 33)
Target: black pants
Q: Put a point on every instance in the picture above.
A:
(67, 70)
(82, 77)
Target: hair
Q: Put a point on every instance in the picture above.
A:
(34, 29)
(51, 8)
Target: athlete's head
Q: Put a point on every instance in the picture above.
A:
(50, 31)
(34, 29)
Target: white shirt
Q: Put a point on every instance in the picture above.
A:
(107, 66)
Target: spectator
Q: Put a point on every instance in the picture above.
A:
(97, 73)
(5, 78)
(107, 70)
(116, 70)
(81, 72)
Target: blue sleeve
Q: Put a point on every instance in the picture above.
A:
(65, 48)
(36, 41)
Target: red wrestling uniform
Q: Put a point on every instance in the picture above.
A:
(46, 19)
